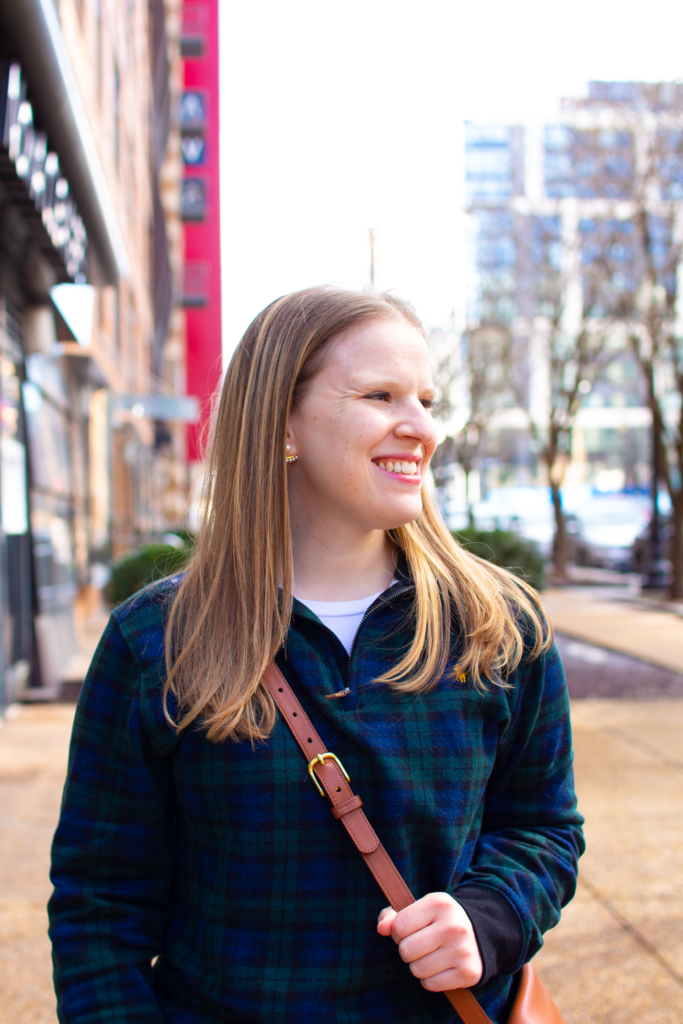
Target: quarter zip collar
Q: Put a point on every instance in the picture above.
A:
(402, 586)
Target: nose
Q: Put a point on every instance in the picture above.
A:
(417, 423)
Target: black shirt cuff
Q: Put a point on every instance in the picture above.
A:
(496, 928)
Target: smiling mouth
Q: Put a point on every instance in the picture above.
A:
(404, 467)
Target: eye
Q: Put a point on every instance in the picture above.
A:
(379, 396)
(427, 403)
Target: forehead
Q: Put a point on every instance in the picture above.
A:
(379, 348)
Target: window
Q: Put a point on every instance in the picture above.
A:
(588, 164)
(670, 150)
(192, 111)
(488, 162)
(613, 92)
(193, 199)
(196, 274)
(558, 167)
(194, 150)
(193, 33)
(485, 134)
(192, 124)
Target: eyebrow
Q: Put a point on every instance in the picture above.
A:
(388, 385)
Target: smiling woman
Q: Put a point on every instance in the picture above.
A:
(343, 378)
(324, 586)
(365, 436)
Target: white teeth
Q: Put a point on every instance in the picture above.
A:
(407, 468)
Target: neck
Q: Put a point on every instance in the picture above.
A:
(334, 565)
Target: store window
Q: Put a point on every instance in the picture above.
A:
(16, 639)
(48, 431)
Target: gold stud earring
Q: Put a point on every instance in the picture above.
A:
(289, 458)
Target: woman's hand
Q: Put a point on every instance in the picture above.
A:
(435, 936)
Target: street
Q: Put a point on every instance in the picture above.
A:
(596, 672)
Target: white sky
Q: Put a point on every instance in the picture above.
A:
(339, 117)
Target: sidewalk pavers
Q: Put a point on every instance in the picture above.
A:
(617, 955)
(583, 613)
(33, 756)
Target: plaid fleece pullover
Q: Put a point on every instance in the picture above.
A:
(223, 862)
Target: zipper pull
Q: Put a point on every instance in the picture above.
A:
(340, 693)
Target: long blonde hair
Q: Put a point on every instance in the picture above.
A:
(229, 618)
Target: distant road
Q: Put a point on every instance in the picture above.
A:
(595, 672)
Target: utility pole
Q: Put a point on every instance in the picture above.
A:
(371, 238)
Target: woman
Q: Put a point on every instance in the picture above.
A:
(198, 875)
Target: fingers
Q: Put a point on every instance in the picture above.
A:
(385, 921)
(447, 981)
(436, 938)
(448, 968)
(420, 914)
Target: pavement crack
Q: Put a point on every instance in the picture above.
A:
(633, 741)
(631, 930)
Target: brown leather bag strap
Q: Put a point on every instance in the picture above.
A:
(330, 778)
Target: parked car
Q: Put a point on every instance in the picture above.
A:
(608, 526)
(527, 511)
(642, 545)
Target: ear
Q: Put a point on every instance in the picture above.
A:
(290, 444)
(291, 431)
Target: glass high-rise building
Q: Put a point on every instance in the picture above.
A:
(549, 202)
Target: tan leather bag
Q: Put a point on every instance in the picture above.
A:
(533, 1004)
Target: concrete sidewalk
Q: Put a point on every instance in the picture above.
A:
(617, 955)
(33, 756)
(613, 618)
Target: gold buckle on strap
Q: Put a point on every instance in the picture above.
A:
(320, 759)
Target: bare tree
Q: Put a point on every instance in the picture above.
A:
(570, 345)
(634, 252)
(473, 384)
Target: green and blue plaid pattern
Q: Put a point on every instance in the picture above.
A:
(224, 862)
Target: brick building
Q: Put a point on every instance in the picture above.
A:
(92, 348)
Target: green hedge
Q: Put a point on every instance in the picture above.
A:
(154, 561)
(508, 550)
(140, 567)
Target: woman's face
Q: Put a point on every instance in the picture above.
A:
(363, 431)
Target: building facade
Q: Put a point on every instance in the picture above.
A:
(200, 209)
(564, 194)
(91, 342)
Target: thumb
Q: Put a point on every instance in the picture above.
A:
(385, 921)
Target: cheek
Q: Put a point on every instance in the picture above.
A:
(357, 436)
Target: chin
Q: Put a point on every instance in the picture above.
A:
(392, 518)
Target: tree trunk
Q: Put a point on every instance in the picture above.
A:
(560, 551)
(676, 592)
(470, 513)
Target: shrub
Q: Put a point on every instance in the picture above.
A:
(508, 550)
(144, 565)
